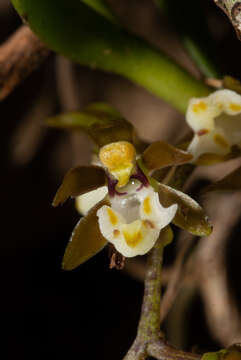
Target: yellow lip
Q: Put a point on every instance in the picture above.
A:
(119, 159)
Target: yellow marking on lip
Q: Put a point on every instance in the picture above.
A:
(112, 217)
(234, 107)
(201, 106)
(147, 206)
(219, 140)
(132, 238)
(132, 233)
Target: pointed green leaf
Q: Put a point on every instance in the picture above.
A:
(231, 182)
(102, 8)
(161, 154)
(190, 216)
(80, 32)
(78, 181)
(86, 240)
(100, 121)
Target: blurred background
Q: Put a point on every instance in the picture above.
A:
(93, 312)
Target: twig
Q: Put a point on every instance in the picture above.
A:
(161, 351)
(176, 278)
(21, 54)
(4, 6)
(148, 341)
(149, 324)
(232, 9)
(222, 313)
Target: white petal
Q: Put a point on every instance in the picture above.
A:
(109, 222)
(136, 238)
(228, 101)
(216, 121)
(152, 210)
(86, 201)
(209, 143)
(201, 113)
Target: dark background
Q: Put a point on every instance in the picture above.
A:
(92, 312)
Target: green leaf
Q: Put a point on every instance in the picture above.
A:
(231, 182)
(102, 8)
(77, 31)
(190, 216)
(161, 154)
(86, 240)
(101, 122)
(78, 181)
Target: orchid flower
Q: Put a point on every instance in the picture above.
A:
(121, 202)
(216, 122)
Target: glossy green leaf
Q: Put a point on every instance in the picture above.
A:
(79, 32)
(161, 154)
(86, 240)
(78, 181)
(190, 216)
(231, 182)
(101, 7)
(100, 121)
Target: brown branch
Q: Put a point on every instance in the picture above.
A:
(177, 275)
(148, 341)
(21, 54)
(161, 351)
(232, 9)
(222, 313)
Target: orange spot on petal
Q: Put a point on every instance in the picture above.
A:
(148, 224)
(116, 233)
(202, 132)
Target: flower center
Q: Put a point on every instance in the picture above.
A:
(129, 204)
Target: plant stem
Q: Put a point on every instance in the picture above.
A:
(148, 341)
(232, 10)
(149, 324)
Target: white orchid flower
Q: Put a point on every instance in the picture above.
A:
(134, 220)
(135, 217)
(216, 122)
